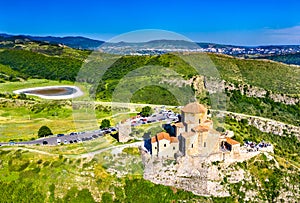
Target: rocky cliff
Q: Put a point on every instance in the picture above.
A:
(214, 85)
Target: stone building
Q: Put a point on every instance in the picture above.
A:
(163, 145)
(195, 136)
(124, 131)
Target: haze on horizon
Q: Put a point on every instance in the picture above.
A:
(225, 22)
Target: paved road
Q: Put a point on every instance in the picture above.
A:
(66, 139)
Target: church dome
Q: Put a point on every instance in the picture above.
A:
(194, 107)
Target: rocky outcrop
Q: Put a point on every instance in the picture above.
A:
(201, 175)
(187, 173)
(267, 125)
(214, 85)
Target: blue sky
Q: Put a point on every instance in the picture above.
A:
(230, 22)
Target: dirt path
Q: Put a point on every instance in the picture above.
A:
(28, 149)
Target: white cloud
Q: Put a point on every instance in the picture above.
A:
(265, 36)
(289, 35)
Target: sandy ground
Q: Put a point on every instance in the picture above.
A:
(78, 92)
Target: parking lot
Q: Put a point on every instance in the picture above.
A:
(76, 137)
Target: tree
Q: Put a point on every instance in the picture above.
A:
(22, 96)
(105, 123)
(146, 111)
(44, 131)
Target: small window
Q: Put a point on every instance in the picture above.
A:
(165, 145)
(204, 144)
(199, 121)
(155, 147)
(192, 145)
(174, 148)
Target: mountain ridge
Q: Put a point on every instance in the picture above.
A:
(77, 42)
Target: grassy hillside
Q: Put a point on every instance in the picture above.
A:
(8, 74)
(128, 64)
(287, 58)
(64, 179)
(263, 107)
(277, 77)
(56, 62)
(40, 65)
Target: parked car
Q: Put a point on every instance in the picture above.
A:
(60, 135)
(66, 142)
(73, 133)
(12, 143)
(58, 141)
(45, 142)
(107, 131)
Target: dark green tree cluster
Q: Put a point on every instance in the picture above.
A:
(146, 111)
(105, 123)
(44, 131)
(154, 95)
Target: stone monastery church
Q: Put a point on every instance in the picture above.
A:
(195, 136)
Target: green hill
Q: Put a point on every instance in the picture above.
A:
(8, 74)
(40, 65)
(55, 62)
(286, 58)
(277, 77)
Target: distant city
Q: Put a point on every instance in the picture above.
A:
(229, 50)
(165, 46)
(152, 47)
